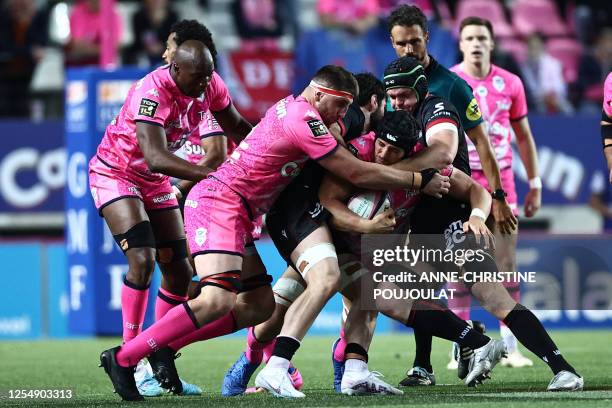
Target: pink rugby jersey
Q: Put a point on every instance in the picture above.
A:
(607, 102)
(192, 150)
(157, 100)
(501, 97)
(275, 151)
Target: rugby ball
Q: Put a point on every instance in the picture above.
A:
(369, 204)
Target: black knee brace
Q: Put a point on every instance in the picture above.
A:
(229, 281)
(139, 236)
(254, 282)
(171, 251)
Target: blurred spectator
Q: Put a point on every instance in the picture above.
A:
(151, 25)
(23, 36)
(354, 16)
(593, 69)
(543, 76)
(258, 23)
(86, 28)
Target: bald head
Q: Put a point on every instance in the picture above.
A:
(192, 67)
(194, 53)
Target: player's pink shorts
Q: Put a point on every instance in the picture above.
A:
(507, 180)
(216, 219)
(108, 185)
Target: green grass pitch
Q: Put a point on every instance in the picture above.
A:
(72, 364)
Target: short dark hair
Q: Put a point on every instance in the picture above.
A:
(337, 78)
(369, 85)
(477, 21)
(407, 16)
(193, 30)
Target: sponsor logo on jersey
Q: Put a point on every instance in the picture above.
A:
(153, 92)
(200, 236)
(498, 83)
(473, 111)
(290, 169)
(317, 127)
(482, 91)
(163, 198)
(147, 107)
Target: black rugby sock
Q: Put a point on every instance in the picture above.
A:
(432, 320)
(530, 332)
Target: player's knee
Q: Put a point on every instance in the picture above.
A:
(141, 264)
(213, 302)
(171, 251)
(286, 291)
(326, 285)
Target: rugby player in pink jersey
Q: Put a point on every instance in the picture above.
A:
(606, 123)
(219, 211)
(295, 214)
(501, 97)
(407, 88)
(129, 175)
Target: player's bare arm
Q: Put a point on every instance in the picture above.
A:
(502, 213)
(216, 151)
(334, 193)
(466, 189)
(233, 123)
(152, 142)
(529, 156)
(378, 177)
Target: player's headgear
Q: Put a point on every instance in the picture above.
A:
(336, 81)
(406, 72)
(399, 128)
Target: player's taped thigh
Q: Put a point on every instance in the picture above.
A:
(138, 236)
(286, 291)
(171, 251)
(229, 281)
(314, 255)
(255, 282)
(350, 272)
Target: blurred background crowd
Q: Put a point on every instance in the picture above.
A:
(561, 49)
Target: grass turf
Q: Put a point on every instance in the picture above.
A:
(72, 364)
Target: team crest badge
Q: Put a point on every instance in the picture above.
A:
(498, 83)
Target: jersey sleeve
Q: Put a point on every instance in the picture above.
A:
(217, 94)
(209, 126)
(439, 114)
(518, 110)
(150, 103)
(462, 97)
(309, 133)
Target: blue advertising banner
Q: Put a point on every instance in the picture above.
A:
(95, 264)
(32, 167)
(569, 154)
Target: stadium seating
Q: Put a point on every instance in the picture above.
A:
(568, 51)
(514, 46)
(489, 9)
(529, 16)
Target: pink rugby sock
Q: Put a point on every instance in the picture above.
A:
(269, 350)
(461, 301)
(133, 308)
(178, 322)
(224, 325)
(166, 301)
(340, 348)
(255, 349)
